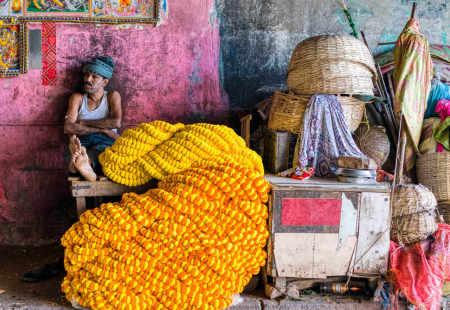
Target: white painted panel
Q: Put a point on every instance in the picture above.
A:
(305, 255)
(373, 244)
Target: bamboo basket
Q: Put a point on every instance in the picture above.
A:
(433, 171)
(331, 65)
(288, 111)
(413, 214)
(373, 142)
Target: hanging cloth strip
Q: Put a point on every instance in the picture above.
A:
(48, 53)
(325, 137)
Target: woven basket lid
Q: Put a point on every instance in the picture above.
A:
(332, 48)
(331, 65)
(412, 198)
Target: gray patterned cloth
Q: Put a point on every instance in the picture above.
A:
(325, 137)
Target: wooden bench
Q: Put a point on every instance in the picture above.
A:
(103, 187)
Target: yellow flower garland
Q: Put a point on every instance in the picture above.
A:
(191, 243)
(157, 149)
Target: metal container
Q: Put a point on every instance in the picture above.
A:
(278, 150)
(356, 173)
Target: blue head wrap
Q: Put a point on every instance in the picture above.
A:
(102, 65)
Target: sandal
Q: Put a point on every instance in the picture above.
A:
(46, 272)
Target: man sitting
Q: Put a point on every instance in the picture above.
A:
(91, 122)
(92, 118)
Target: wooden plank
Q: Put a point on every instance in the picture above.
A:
(280, 283)
(374, 227)
(311, 255)
(294, 255)
(322, 184)
(330, 260)
(270, 266)
(81, 205)
(245, 128)
(103, 188)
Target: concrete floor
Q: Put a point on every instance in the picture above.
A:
(47, 295)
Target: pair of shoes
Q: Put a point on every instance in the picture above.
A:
(46, 272)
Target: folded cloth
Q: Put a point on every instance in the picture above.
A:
(428, 143)
(325, 137)
(438, 92)
(442, 133)
(442, 136)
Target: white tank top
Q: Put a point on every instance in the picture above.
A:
(102, 111)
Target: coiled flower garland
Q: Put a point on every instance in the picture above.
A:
(189, 244)
(157, 149)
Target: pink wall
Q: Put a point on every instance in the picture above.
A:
(168, 72)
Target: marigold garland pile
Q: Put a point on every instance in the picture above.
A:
(191, 243)
(157, 149)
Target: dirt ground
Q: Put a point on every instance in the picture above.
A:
(14, 261)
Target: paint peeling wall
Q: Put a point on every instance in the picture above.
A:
(258, 37)
(173, 72)
(169, 72)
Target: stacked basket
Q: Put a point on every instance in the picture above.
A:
(433, 171)
(339, 65)
(414, 214)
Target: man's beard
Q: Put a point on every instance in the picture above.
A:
(90, 89)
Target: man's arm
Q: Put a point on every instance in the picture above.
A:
(71, 127)
(115, 118)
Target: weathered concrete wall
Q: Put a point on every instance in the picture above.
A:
(258, 37)
(169, 72)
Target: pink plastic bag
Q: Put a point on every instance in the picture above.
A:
(419, 270)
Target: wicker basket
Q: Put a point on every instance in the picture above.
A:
(413, 214)
(288, 110)
(373, 142)
(331, 65)
(433, 171)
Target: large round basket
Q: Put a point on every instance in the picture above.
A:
(331, 65)
(288, 111)
(413, 214)
(433, 171)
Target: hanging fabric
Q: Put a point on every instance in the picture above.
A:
(325, 137)
(412, 76)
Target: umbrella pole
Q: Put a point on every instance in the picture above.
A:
(413, 12)
(402, 140)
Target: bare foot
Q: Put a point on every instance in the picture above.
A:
(81, 162)
(74, 146)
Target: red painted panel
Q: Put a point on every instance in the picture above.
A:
(311, 212)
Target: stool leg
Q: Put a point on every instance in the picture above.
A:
(81, 205)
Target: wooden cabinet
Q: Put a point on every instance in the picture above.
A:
(321, 228)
